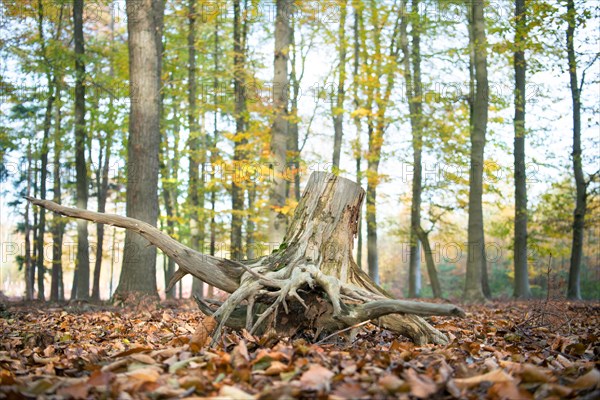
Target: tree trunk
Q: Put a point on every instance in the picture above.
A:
(357, 147)
(239, 83)
(57, 224)
(475, 261)
(196, 150)
(521, 289)
(29, 267)
(279, 130)
(293, 148)
(436, 288)
(83, 256)
(103, 182)
(412, 76)
(337, 111)
(574, 291)
(138, 274)
(311, 282)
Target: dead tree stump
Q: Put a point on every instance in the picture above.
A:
(310, 283)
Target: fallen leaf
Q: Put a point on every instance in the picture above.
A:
(231, 392)
(145, 374)
(421, 386)
(532, 373)
(143, 358)
(495, 376)
(42, 360)
(239, 355)
(587, 381)
(276, 368)
(203, 332)
(316, 378)
(391, 383)
(77, 391)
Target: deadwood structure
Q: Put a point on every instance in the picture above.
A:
(310, 283)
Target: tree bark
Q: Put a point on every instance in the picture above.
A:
(102, 181)
(57, 225)
(412, 76)
(574, 291)
(521, 289)
(337, 111)
(475, 261)
(197, 150)
(311, 282)
(83, 256)
(138, 274)
(239, 83)
(436, 288)
(279, 130)
(29, 266)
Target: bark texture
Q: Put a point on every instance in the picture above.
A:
(574, 291)
(310, 283)
(279, 130)
(476, 260)
(521, 289)
(83, 252)
(138, 274)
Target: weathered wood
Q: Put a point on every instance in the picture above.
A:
(311, 281)
(216, 271)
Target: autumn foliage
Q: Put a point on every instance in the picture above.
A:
(502, 350)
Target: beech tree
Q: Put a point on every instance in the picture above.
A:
(476, 259)
(144, 21)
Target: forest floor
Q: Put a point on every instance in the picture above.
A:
(508, 350)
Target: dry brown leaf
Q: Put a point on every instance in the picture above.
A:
(231, 392)
(77, 391)
(42, 360)
(508, 391)
(143, 358)
(495, 376)
(533, 373)
(201, 337)
(133, 350)
(147, 374)
(391, 383)
(239, 355)
(421, 386)
(276, 368)
(587, 381)
(316, 378)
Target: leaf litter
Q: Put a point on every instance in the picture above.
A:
(500, 351)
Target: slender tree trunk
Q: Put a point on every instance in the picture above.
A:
(103, 181)
(574, 291)
(29, 267)
(41, 224)
(521, 289)
(412, 76)
(57, 224)
(436, 288)
(250, 225)
(144, 22)
(83, 256)
(293, 150)
(237, 184)
(475, 243)
(337, 111)
(356, 99)
(196, 183)
(279, 130)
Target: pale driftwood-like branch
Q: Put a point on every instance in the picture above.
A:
(380, 308)
(218, 272)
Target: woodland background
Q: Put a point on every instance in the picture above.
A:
(377, 91)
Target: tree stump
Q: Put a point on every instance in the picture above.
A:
(310, 283)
